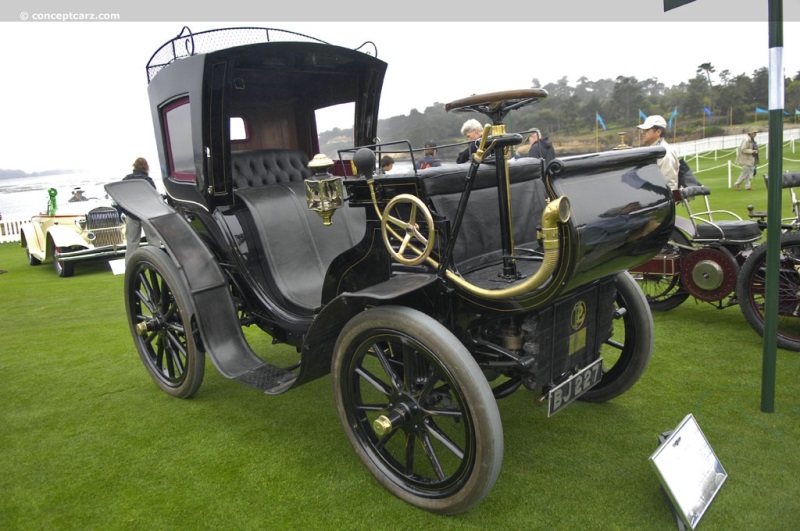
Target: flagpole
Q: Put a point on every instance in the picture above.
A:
(596, 134)
(674, 127)
(774, 193)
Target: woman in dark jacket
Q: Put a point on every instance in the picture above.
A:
(540, 147)
(133, 227)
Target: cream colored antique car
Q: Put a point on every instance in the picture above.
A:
(74, 232)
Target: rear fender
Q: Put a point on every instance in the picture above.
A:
(31, 240)
(211, 300)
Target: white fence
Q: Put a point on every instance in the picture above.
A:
(721, 146)
(705, 145)
(10, 229)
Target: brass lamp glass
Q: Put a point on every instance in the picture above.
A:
(323, 190)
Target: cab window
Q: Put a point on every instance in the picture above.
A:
(177, 121)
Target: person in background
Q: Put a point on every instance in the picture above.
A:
(653, 130)
(540, 147)
(133, 227)
(473, 130)
(387, 163)
(747, 157)
(77, 195)
(429, 159)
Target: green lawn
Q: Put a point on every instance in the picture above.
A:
(88, 442)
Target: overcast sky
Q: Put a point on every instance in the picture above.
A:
(74, 93)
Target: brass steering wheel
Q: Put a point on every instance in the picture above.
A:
(407, 232)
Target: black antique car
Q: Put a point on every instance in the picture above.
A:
(427, 295)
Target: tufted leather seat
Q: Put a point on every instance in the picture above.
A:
(269, 166)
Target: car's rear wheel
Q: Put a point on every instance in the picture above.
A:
(417, 409)
(32, 260)
(627, 352)
(160, 319)
(62, 268)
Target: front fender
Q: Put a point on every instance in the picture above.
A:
(65, 237)
(322, 335)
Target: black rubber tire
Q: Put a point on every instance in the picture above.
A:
(627, 354)
(665, 292)
(751, 289)
(156, 294)
(398, 359)
(63, 269)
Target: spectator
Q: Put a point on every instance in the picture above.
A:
(540, 147)
(428, 159)
(77, 195)
(653, 135)
(133, 227)
(473, 130)
(747, 157)
(387, 163)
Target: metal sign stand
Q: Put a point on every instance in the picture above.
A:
(689, 471)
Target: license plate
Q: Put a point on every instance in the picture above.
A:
(566, 392)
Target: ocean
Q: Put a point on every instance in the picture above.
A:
(23, 197)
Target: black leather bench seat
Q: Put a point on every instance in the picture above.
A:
(298, 247)
(734, 231)
(479, 241)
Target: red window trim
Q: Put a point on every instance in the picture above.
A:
(175, 175)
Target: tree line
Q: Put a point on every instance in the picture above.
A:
(709, 104)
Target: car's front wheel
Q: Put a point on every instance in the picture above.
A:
(417, 409)
(62, 268)
(160, 319)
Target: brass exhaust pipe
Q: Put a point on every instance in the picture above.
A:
(556, 211)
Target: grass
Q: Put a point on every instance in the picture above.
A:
(87, 441)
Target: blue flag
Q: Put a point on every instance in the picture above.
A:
(708, 112)
(600, 120)
(759, 110)
(797, 111)
(674, 114)
(642, 115)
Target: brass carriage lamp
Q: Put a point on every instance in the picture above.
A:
(323, 190)
(622, 144)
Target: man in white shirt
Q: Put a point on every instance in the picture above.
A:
(653, 130)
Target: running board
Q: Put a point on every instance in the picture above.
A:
(268, 378)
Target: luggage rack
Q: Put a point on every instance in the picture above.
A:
(187, 43)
